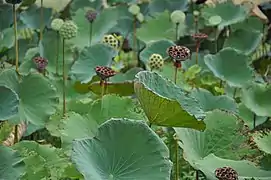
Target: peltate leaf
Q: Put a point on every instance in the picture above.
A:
(9, 103)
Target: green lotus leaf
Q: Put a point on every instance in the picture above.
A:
(38, 98)
(122, 88)
(165, 104)
(144, 156)
(238, 13)
(5, 16)
(263, 141)
(30, 18)
(245, 41)
(101, 25)
(127, 76)
(157, 47)
(221, 137)
(256, 97)
(210, 102)
(153, 31)
(90, 57)
(245, 169)
(253, 23)
(192, 72)
(160, 6)
(249, 117)
(50, 46)
(6, 38)
(43, 161)
(11, 164)
(231, 66)
(9, 103)
(81, 4)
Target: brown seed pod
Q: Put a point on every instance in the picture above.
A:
(226, 173)
(179, 53)
(199, 36)
(104, 72)
(40, 62)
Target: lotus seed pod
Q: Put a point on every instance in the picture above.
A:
(111, 41)
(177, 17)
(140, 17)
(91, 15)
(215, 20)
(104, 72)
(14, 1)
(226, 173)
(134, 9)
(179, 53)
(156, 61)
(196, 13)
(40, 62)
(56, 24)
(68, 30)
(199, 36)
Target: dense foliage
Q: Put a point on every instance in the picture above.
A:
(135, 90)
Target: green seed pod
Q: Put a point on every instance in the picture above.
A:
(134, 9)
(196, 13)
(56, 24)
(111, 41)
(140, 17)
(156, 61)
(68, 30)
(177, 17)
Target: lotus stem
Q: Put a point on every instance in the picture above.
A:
(41, 20)
(57, 52)
(216, 40)
(103, 88)
(16, 38)
(64, 78)
(176, 31)
(135, 41)
(197, 51)
(175, 74)
(196, 25)
(254, 120)
(90, 32)
(234, 92)
(177, 173)
(197, 174)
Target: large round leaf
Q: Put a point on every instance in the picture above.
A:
(231, 66)
(122, 150)
(90, 57)
(9, 103)
(157, 47)
(245, 169)
(166, 104)
(11, 164)
(263, 142)
(210, 102)
(256, 97)
(160, 6)
(38, 98)
(222, 137)
(229, 12)
(7, 38)
(245, 41)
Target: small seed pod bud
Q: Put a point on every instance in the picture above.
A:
(13, 1)
(68, 30)
(111, 41)
(156, 61)
(104, 72)
(196, 13)
(134, 9)
(91, 15)
(41, 63)
(140, 17)
(56, 24)
(177, 17)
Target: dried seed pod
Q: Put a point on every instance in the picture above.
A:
(91, 15)
(199, 36)
(226, 173)
(156, 61)
(111, 41)
(179, 53)
(41, 63)
(104, 72)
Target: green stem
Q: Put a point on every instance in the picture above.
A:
(135, 41)
(176, 31)
(175, 75)
(90, 33)
(64, 78)
(254, 121)
(57, 52)
(41, 20)
(216, 40)
(197, 174)
(234, 92)
(16, 38)
(103, 88)
(16, 134)
(197, 51)
(177, 160)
